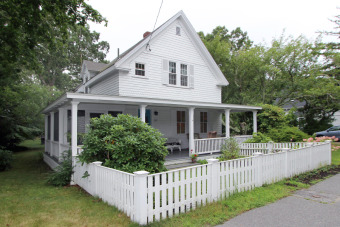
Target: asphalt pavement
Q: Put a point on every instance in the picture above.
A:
(318, 205)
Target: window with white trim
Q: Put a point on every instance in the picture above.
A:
(204, 122)
(180, 122)
(178, 31)
(172, 73)
(184, 75)
(139, 69)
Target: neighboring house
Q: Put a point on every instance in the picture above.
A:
(297, 104)
(168, 78)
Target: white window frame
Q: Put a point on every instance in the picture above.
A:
(172, 75)
(139, 69)
(178, 30)
(184, 76)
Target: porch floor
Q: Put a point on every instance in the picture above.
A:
(181, 159)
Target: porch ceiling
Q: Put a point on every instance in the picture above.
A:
(90, 98)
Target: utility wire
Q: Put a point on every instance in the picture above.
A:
(148, 45)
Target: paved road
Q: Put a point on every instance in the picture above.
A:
(318, 205)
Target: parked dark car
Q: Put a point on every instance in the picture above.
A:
(332, 131)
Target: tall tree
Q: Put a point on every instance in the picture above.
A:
(60, 66)
(35, 38)
(25, 24)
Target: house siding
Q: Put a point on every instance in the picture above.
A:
(108, 86)
(168, 46)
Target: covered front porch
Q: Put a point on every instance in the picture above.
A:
(187, 123)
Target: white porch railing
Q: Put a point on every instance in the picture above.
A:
(150, 197)
(209, 145)
(213, 145)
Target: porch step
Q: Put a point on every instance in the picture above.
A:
(181, 165)
(177, 161)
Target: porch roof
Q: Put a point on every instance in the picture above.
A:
(91, 98)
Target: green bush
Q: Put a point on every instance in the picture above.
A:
(271, 117)
(230, 149)
(63, 173)
(287, 134)
(259, 138)
(124, 143)
(202, 161)
(6, 158)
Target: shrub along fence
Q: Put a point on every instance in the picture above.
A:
(148, 197)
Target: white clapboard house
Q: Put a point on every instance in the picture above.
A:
(170, 81)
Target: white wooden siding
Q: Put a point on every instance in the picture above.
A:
(180, 49)
(108, 86)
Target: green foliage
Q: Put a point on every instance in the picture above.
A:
(42, 46)
(6, 158)
(124, 143)
(271, 117)
(202, 161)
(20, 107)
(27, 24)
(230, 149)
(63, 173)
(259, 138)
(287, 134)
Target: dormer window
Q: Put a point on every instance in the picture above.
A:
(140, 69)
(178, 31)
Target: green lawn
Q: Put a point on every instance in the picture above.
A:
(336, 154)
(26, 200)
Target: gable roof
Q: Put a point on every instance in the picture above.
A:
(119, 61)
(94, 66)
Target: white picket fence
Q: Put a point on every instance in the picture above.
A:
(146, 198)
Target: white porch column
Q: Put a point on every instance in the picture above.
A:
(191, 131)
(142, 112)
(74, 127)
(52, 133)
(65, 126)
(227, 122)
(61, 131)
(254, 121)
(46, 132)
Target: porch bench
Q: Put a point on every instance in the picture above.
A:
(172, 143)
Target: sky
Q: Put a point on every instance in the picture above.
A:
(263, 20)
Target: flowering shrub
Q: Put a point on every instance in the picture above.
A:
(334, 148)
(321, 139)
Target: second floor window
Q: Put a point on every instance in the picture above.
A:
(184, 75)
(172, 73)
(140, 69)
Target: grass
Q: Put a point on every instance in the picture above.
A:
(26, 200)
(336, 154)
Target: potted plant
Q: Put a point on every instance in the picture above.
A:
(194, 158)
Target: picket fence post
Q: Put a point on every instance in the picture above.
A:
(96, 180)
(270, 147)
(214, 175)
(329, 152)
(259, 174)
(140, 191)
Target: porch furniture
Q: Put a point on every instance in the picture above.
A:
(172, 143)
(212, 134)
